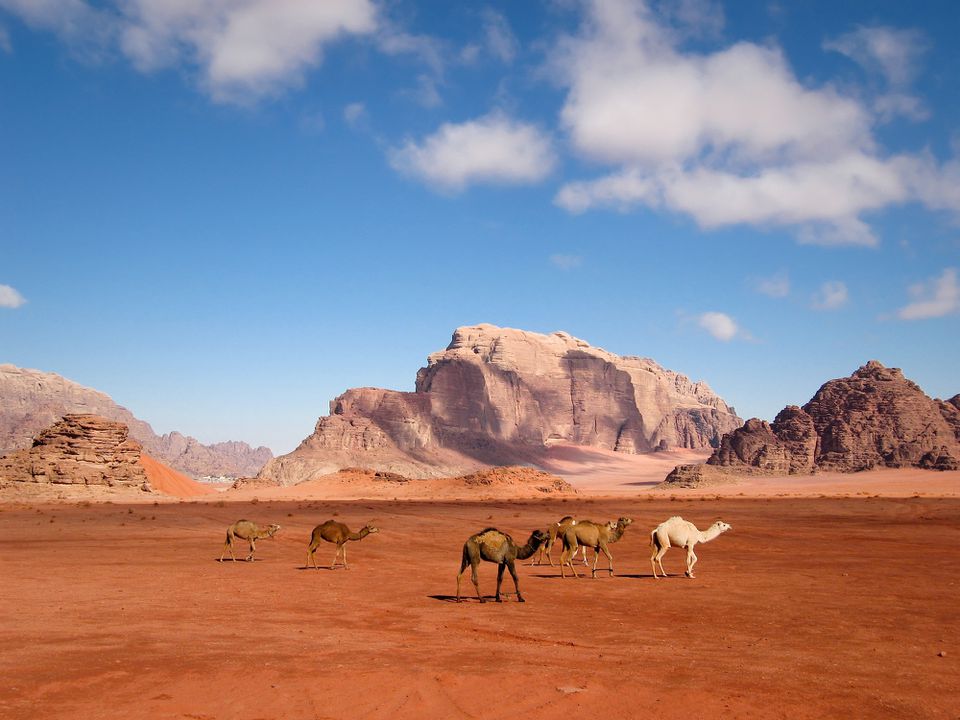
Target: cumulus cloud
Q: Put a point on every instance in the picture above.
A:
(729, 137)
(566, 262)
(10, 298)
(244, 49)
(490, 149)
(832, 295)
(776, 286)
(720, 325)
(241, 49)
(932, 299)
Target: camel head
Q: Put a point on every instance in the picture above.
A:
(539, 538)
(273, 530)
(722, 526)
(371, 529)
(623, 522)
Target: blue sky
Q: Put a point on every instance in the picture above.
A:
(224, 214)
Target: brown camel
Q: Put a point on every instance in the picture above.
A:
(556, 530)
(594, 535)
(335, 532)
(246, 530)
(497, 547)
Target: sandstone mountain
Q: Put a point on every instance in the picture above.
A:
(498, 396)
(31, 400)
(874, 418)
(79, 450)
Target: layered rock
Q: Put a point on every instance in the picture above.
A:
(498, 396)
(31, 400)
(79, 450)
(874, 418)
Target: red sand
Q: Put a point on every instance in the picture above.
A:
(168, 481)
(808, 608)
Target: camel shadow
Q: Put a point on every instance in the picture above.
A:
(239, 561)
(321, 567)
(471, 599)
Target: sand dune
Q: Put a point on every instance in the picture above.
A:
(168, 481)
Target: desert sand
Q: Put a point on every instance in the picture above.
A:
(809, 608)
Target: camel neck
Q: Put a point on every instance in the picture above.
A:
(709, 534)
(527, 550)
(358, 535)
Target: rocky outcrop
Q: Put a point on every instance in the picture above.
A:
(498, 396)
(874, 418)
(31, 400)
(79, 450)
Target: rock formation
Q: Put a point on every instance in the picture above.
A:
(31, 400)
(498, 396)
(874, 418)
(79, 450)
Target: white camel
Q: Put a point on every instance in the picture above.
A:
(682, 533)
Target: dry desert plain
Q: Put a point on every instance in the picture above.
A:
(833, 596)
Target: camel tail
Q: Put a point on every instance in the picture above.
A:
(464, 558)
(654, 540)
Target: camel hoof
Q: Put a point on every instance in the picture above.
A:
(482, 600)
(498, 599)
(520, 599)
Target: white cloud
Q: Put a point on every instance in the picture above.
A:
(776, 286)
(355, 114)
(499, 38)
(720, 325)
(5, 44)
(832, 295)
(891, 52)
(10, 298)
(244, 49)
(935, 298)
(566, 262)
(490, 149)
(729, 137)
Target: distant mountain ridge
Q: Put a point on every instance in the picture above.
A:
(32, 400)
(501, 396)
(874, 418)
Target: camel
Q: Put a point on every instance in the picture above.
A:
(594, 535)
(246, 530)
(682, 533)
(335, 532)
(556, 530)
(497, 547)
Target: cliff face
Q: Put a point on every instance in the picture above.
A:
(874, 418)
(498, 396)
(79, 450)
(31, 400)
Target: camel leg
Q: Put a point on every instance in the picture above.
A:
(476, 579)
(516, 582)
(500, 568)
(691, 561)
(253, 549)
(606, 551)
(463, 566)
(312, 556)
(550, 552)
(334, 563)
(658, 558)
(227, 545)
(345, 566)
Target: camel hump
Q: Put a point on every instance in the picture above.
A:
(675, 518)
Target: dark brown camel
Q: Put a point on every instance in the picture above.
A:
(595, 535)
(246, 530)
(497, 547)
(335, 532)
